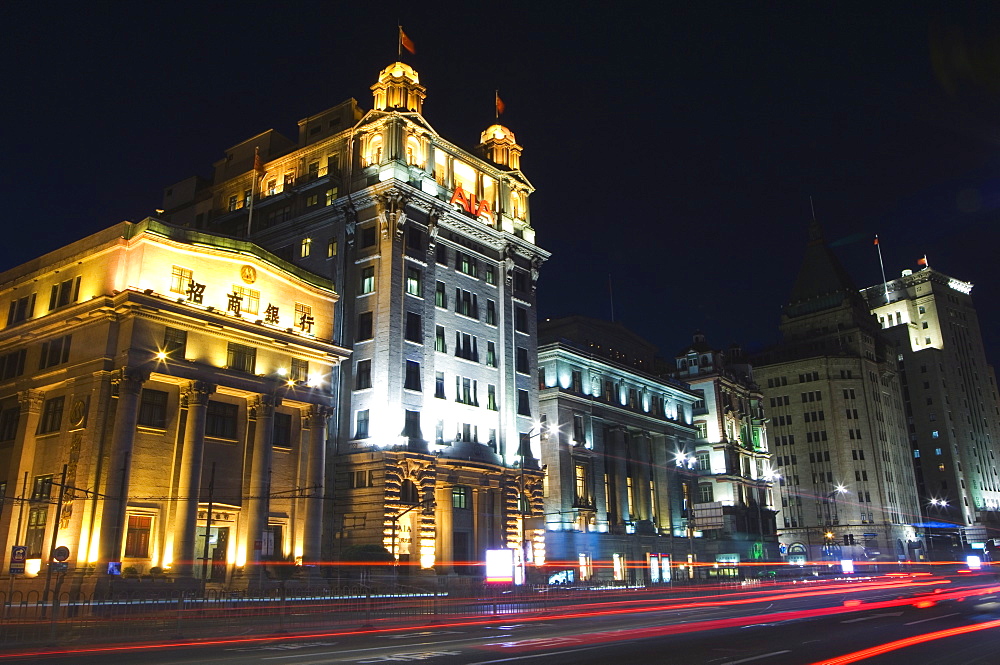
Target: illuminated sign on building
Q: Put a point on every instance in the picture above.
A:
(472, 205)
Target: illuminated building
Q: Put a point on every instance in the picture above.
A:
(950, 397)
(734, 507)
(432, 251)
(618, 446)
(182, 381)
(837, 426)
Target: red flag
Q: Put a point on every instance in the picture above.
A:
(876, 239)
(406, 42)
(500, 105)
(258, 163)
(922, 261)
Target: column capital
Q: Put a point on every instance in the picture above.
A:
(263, 405)
(316, 415)
(129, 379)
(196, 393)
(30, 401)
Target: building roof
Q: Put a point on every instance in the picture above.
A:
(822, 283)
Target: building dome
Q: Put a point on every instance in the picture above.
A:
(399, 89)
(399, 70)
(497, 133)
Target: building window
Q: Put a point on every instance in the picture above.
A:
(180, 279)
(491, 312)
(460, 497)
(330, 195)
(54, 352)
(520, 319)
(220, 420)
(312, 200)
(439, 385)
(441, 255)
(137, 536)
(331, 248)
(581, 484)
(411, 425)
(364, 331)
(12, 364)
(250, 302)
(414, 238)
(300, 370)
(21, 309)
(153, 409)
(35, 535)
(414, 283)
(705, 494)
(52, 413)
(281, 430)
(491, 398)
(366, 237)
(408, 493)
(467, 303)
(466, 391)
(414, 328)
(8, 423)
(440, 296)
(491, 275)
(367, 280)
(363, 375)
(491, 354)
(523, 403)
(579, 435)
(242, 358)
(362, 478)
(466, 346)
(521, 361)
(64, 293)
(174, 343)
(303, 317)
(412, 381)
(466, 264)
(305, 248)
(361, 425)
(439, 342)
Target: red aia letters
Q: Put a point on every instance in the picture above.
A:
(471, 205)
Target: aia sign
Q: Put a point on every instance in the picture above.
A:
(470, 204)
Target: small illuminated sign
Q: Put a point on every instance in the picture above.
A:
(974, 562)
(847, 565)
(470, 204)
(500, 566)
(248, 274)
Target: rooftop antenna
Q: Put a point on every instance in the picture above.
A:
(812, 207)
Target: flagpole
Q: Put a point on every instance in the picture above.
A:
(496, 104)
(399, 41)
(882, 265)
(253, 186)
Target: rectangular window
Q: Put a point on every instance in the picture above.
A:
(366, 237)
(64, 293)
(363, 375)
(412, 381)
(460, 497)
(299, 370)
(330, 195)
(281, 430)
(303, 317)
(705, 493)
(440, 296)
(520, 319)
(439, 385)
(523, 403)
(414, 239)
(331, 248)
(441, 255)
(241, 358)
(54, 352)
(220, 420)
(491, 312)
(491, 397)
(466, 264)
(361, 425)
(21, 309)
(12, 364)
(175, 343)
(52, 413)
(153, 409)
(305, 248)
(414, 328)
(467, 303)
(579, 435)
(491, 354)
(250, 303)
(491, 275)
(137, 536)
(520, 281)
(414, 282)
(35, 535)
(364, 331)
(411, 425)
(439, 342)
(8, 423)
(367, 280)
(180, 279)
(521, 364)
(312, 200)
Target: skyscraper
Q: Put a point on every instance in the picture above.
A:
(950, 398)
(837, 426)
(433, 252)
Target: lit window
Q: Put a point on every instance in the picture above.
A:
(137, 536)
(242, 358)
(367, 280)
(305, 248)
(440, 296)
(331, 248)
(300, 370)
(414, 284)
(251, 299)
(180, 278)
(361, 425)
(303, 317)
(460, 496)
(331, 195)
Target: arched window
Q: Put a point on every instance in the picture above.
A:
(374, 155)
(408, 492)
(414, 155)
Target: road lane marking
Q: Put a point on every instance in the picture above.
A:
(873, 616)
(763, 655)
(943, 616)
(544, 654)
(394, 646)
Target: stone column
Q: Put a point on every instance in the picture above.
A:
(258, 505)
(621, 452)
(315, 489)
(22, 461)
(196, 395)
(445, 527)
(129, 383)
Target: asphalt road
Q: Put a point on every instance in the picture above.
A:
(918, 620)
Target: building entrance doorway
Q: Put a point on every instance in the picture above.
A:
(213, 568)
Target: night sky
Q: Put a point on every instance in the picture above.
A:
(674, 148)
